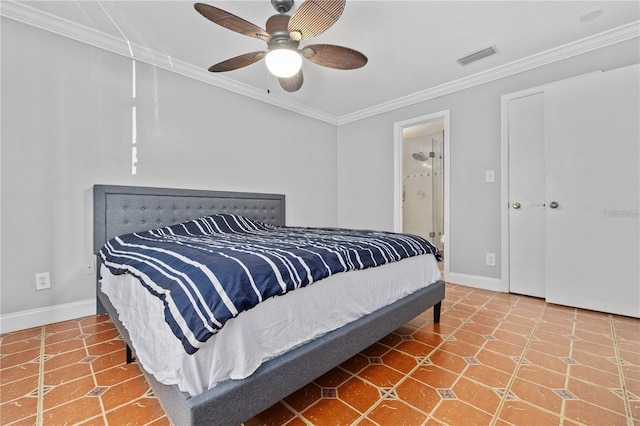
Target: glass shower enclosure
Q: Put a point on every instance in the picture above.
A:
(423, 185)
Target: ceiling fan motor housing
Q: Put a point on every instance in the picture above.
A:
(280, 36)
(282, 6)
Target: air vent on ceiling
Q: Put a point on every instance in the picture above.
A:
(477, 55)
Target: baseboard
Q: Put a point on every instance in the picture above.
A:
(49, 315)
(475, 281)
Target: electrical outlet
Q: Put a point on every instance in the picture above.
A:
(43, 281)
(490, 259)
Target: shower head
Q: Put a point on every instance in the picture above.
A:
(419, 156)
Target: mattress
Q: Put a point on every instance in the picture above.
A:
(268, 330)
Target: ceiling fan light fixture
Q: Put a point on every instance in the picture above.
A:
(283, 62)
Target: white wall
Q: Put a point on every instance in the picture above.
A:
(365, 161)
(67, 125)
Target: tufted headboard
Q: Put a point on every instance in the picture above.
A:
(119, 210)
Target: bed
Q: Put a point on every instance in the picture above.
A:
(120, 210)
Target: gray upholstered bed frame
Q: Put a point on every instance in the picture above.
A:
(122, 209)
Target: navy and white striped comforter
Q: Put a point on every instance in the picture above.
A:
(208, 270)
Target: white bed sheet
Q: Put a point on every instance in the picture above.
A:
(272, 328)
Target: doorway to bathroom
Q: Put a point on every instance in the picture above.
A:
(421, 151)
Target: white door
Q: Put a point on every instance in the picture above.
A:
(526, 194)
(592, 135)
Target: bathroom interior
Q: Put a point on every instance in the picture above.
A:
(423, 181)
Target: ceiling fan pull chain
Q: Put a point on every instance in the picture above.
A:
(268, 81)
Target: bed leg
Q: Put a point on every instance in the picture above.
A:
(100, 310)
(130, 356)
(436, 312)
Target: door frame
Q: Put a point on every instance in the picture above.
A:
(398, 127)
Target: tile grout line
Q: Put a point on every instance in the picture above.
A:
(405, 378)
(563, 406)
(517, 369)
(40, 407)
(459, 375)
(478, 309)
(296, 414)
(364, 415)
(625, 395)
(421, 364)
(93, 376)
(104, 412)
(506, 392)
(561, 413)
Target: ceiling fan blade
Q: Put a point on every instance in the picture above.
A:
(314, 17)
(231, 22)
(292, 84)
(338, 57)
(237, 62)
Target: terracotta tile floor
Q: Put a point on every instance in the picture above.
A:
(495, 359)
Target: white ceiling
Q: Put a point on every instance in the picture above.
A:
(412, 46)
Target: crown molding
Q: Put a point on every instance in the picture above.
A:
(597, 41)
(27, 15)
(51, 23)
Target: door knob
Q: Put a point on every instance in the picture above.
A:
(553, 204)
(516, 205)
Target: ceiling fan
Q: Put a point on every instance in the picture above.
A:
(283, 35)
